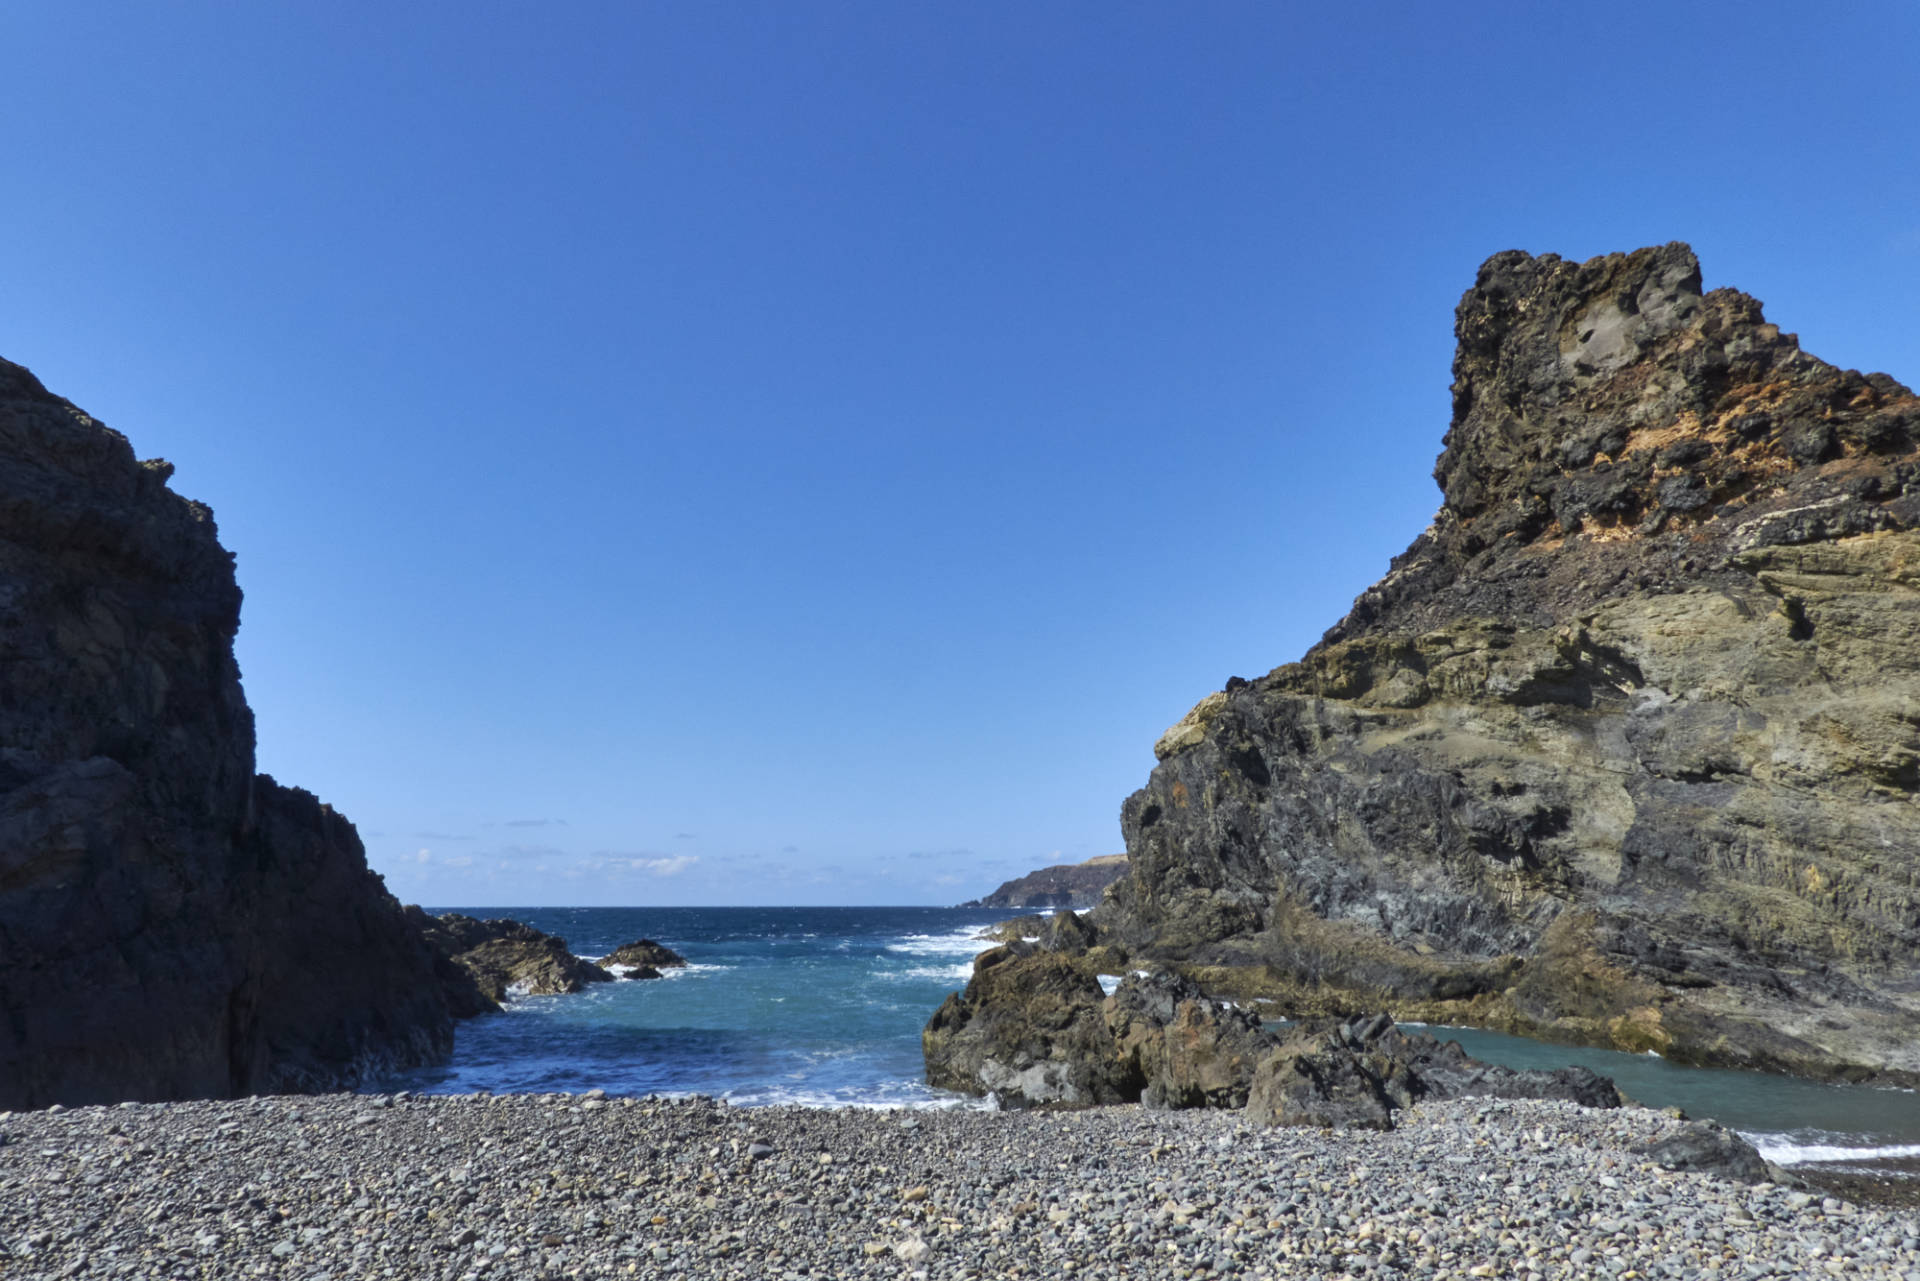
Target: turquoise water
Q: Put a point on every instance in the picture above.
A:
(824, 1006)
(1791, 1121)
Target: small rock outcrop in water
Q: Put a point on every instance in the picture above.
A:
(172, 924)
(1625, 749)
(646, 957)
(1075, 885)
(505, 958)
(1034, 1027)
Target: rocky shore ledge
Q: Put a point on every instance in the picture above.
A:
(587, 1186)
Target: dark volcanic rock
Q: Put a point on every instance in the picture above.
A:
(172, 925)
(1707, 1148)
(505, 958)
(1075, 885)
(644, 954)
(1625, 749)
(1190, 1052)
(1033, 1027)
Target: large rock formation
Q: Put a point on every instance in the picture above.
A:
(1625, 749)
(1074, 885)
(171, 924)
(1034, 1028)
(500, 958)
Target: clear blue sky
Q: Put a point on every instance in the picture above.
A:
(806, 453)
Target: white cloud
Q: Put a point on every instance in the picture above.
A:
(423, 856)
(669, 866)
(459, 860)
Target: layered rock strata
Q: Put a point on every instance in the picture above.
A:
(172, 924)
(1625, 748)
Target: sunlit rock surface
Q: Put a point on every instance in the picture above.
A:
(1625, 748)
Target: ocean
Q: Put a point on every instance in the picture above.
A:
(823, 1006)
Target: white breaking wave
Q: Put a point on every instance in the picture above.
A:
(692, 968)
(1781, 1149)
(892, 1097)
(945, 973)
(956, 943)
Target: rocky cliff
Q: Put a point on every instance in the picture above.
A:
(171, 924)
(1625, 748)
(1072, 885)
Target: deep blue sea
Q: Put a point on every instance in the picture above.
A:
(824, 1006)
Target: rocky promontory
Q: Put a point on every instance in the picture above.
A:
(172, 924)
(1035, 1028)
(1625, 748)
(1071, 885)
(501, 958)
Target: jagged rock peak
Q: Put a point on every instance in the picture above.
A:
(1625, 748)
(1611, 414)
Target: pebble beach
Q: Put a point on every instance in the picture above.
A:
(325, 1188)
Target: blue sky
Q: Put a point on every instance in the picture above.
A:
(806, 453)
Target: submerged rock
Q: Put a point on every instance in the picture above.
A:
(172, 924)
(505, 958)
(1625, 748)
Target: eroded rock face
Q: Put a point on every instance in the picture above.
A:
(1625, 749)
(505, 958)
(172, 925)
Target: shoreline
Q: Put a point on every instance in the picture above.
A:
(483, 1186)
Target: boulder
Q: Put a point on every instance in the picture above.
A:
(1624, 750)
(1707, 1148)
(643, 954)
(173, 924)
(1031, 1028)
(1321, 1082)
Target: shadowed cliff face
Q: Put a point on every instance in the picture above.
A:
(171, 924)
(1625, 749)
